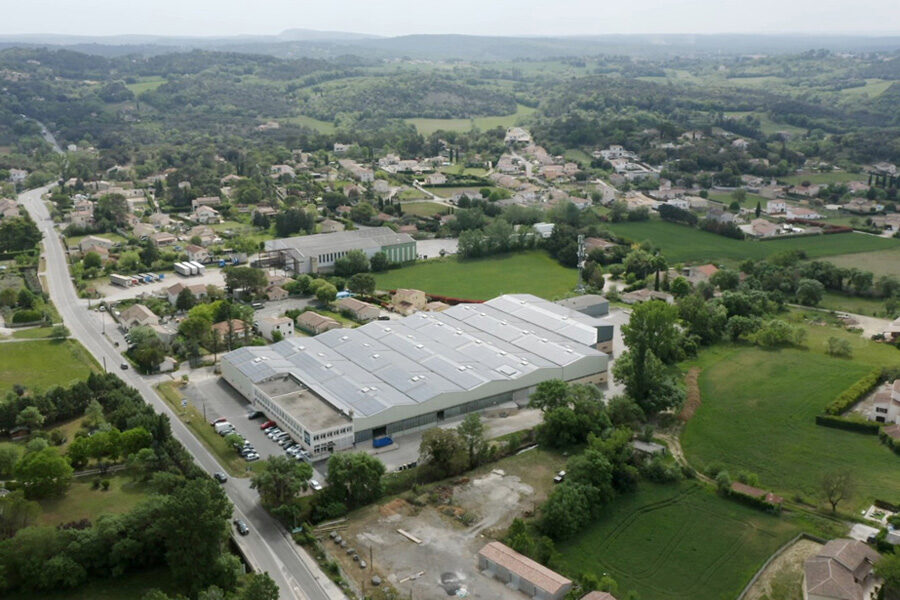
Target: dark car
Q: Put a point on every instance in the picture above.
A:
(220, 477)
(256, 414)
(241, 527)
(124, 366)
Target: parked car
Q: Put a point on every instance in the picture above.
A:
(241, 527)
(267, 424)
(219, 420)
(560, 477)
(251, 457)
(256, 414)
(315, 485)
(124, 366)
(220, 477)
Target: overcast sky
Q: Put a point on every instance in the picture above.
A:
(490, 17)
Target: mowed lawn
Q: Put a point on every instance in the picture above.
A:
(424, 209)
(533, 272)
(882, 262)
(677, 541)
(758, 414)
(680, 243)
(41, 364)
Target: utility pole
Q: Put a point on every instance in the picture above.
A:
(104, 365)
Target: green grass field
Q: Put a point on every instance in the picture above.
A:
(145, 84)
(32, 333)
(767, 125)
(862, 306)
(758, 410)
(872, 89)
(823, 178)
(83, 502)
(682, 244)
(677, 541)
(73, 241)
(533, 272)
(131, 586)
(881, 262)
(429, 126)
(42, 364)
(314, 124)
(749, 202)
(424, 209)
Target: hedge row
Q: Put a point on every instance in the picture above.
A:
(848, 424)
(851, 395)
(889, 442)
(753, 501)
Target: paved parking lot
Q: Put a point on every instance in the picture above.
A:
(214, 397)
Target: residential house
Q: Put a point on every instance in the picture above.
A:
(862, 206)
(801, 212)
(330, 226)
(892, 333)
(699, 273)
(82, 213)
(889, 222)
(265, 211)
(166, 333)
(205, 214)
(761, 228)
(720, 216)
(143, 231)
(771, 191)
(740, 144)
(775, 207)
(340, 148)
(593, 243)
(137, 204)
(595, 595)
(276, 292)
(206, 234)
(436, 306)
(205, 201)
(436, 179)
(238, 329)
(282, 170)
(643, 295)
(161, 219)
(17, 175)
(358, 310)
(682, 203)
(810, 191)
(168, 365)
(886, 407)
(197, 253)
(580, 203)
(408, 229)
(229, 179)
(842, 570)
(314, 323)
(93, 240)
(8, 208)
(198, 289)
(522, 573)
(545, 230)
(137, 315)
(163, 238)
(103, 252)
(269, 325)
(406, 301)
(358, 171)
(517, 135)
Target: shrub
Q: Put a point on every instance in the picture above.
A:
(851, 395)
(848, 424)
(27, 316)
(105, 485)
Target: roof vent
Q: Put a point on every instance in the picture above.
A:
(327, 365)
(301, 347)
(461, 368)
(482, 314)
(376, 355)
(420, 346)
(503, 353)
(477, 341)
(320, 353)
(564, 317)
(345, 338)
(544, 340)
(256, 360)
(415, 378)
(364, 390)
(387, 329)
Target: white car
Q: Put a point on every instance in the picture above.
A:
(315, 485)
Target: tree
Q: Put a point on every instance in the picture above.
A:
(326, 293)
(93, 415)
(837, 486)
(59, 332)
(185, 300)
(725, 279)
(245, 278)
(18, 233)
(16, 512)
(92, 260)
(472, 432)
(379, 262)
(193, 524)
(549, 394)
(280, 480)
(259, 586)
(567, 510)
(840, 347)
(43, 473)
(361, 283)
(25, 299)
(9, 456)
(30, 417)
(888, 568)
(355, 261)
(358, 477)
(758, 210)
(810, 292)
(443, 452)
(680, 287)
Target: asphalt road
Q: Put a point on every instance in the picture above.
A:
(268, 546)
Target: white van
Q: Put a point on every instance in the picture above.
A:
(220, 427)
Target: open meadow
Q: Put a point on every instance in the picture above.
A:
(880, 262)
(42, 364)
(429, 126)
(680, 243)
(534, 272)
(758, 415)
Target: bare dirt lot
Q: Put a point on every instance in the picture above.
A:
(782, 579)
(452, 521)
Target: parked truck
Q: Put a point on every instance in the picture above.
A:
(222, 426)
(120, 280)
(183, 269)
(199, 267)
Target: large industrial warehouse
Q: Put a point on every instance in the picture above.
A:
(351, 385)
(319, 252)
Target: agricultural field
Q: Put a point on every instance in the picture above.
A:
(84, 502)
(749, 201)
(677, 541)
(145, 84)
(871, 307)
(767, 125)
(685, 244)
(73, 241)
(758, 414)
(881, 262)
(26, 363)
(429, 126)
(533, 272)
(446, 192)
(424, 209)
(314, 124)
(872, 89)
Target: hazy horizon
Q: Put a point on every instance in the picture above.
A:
(208, 18)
